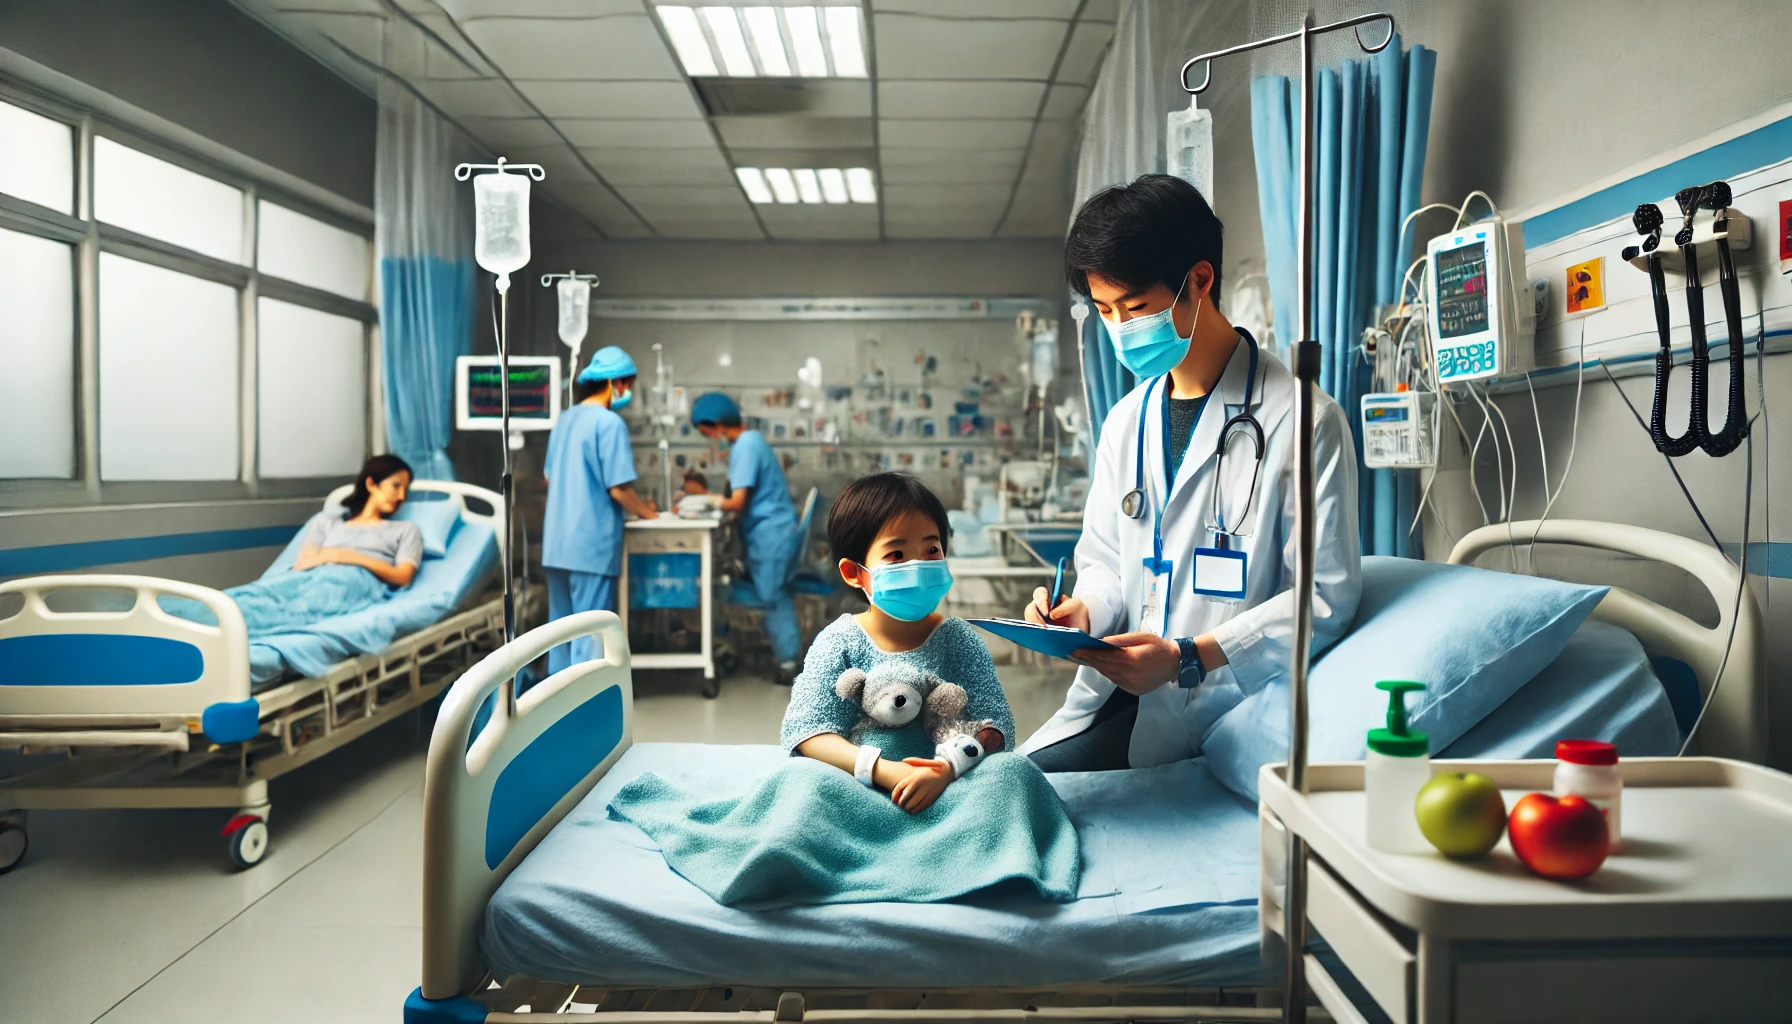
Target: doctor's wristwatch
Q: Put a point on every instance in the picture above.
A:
(1191, 673)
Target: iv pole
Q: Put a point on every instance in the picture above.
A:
(1306, 372)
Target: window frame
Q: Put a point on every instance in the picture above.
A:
(90, 237)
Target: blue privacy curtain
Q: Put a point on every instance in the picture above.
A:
(1373, 116)
(424, 236)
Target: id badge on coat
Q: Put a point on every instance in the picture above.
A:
(1220, 573)
(1153, 610)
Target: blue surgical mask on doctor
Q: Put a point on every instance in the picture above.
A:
(1149, 345)
(909, 590)
(621, 400)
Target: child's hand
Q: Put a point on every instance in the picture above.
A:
(922, 786)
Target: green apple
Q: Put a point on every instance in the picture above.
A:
(1461, 813)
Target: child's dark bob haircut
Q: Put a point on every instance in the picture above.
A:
(858, 515)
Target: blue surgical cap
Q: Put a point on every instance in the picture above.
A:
(608, 363)
(714, 407)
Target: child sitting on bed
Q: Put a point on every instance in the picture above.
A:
(889, 533)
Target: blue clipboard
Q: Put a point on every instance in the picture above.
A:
(1053, 641)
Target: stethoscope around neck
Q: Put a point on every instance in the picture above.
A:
(1133, 503)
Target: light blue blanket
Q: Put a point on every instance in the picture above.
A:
(809, 834)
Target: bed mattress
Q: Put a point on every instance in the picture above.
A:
(1168, 896)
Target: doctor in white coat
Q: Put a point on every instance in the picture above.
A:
(1186, 561)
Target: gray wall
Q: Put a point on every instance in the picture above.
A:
(207, 66)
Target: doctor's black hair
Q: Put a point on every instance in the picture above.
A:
(379, 469)
(859, 513)
(1150, 232)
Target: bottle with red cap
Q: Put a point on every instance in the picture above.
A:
(1589, 768)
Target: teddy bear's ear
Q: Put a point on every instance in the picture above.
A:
(947, 701)
(850, 684)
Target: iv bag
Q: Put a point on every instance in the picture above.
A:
(1188, 147)
(575, 310)
(501, 235)
(1045, 354)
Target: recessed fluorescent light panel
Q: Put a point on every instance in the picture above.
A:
(808, 184)
(765, 41)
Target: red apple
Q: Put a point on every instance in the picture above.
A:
(1559, 837)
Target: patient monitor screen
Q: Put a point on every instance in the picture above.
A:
(1462, 290)
(531, 392)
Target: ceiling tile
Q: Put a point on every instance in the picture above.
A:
(602, 206)
(911, 46)
(502, 132)
(958, 99)
(696, 198)
(1064, 103)
(828, 222)
(927, 158)
(361, 34)
(1037, 213)
(611, 99)
(313, 6)
(1082, 58)
(799, 157)
(795, 132)
(947, 196)
(1101, 10)
(618, 46)
(466, 9)
(1001, 167)
(666, 169)
(705, 230)
(954, 135)
(471, 97)
(980, 8)
(926, 222)
(590, 132)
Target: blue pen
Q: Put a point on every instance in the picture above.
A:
(1058, 584)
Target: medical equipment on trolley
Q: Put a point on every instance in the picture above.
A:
(1729, 230)
(573, 290)
(534, 385)
(1400, 430)
(501, 245)
(1482, 311)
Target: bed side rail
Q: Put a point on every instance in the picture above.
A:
(489, 798)
(1736, 725)
(141, 661)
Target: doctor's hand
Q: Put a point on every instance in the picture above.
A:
(1144, 662)
(1071, 611)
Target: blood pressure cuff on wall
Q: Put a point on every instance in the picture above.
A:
(1472, 636)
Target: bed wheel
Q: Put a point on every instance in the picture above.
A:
(13, 844)
(712, 687)
(246, 839)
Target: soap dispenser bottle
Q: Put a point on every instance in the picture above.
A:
(1399, 763)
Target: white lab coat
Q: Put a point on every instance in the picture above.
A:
(1256, 634)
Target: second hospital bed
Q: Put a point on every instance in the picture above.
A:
(113, 702)
(537, 907)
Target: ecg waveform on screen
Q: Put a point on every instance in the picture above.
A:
(1462, 290)
(528, 392)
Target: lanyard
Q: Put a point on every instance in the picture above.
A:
(1157, 565)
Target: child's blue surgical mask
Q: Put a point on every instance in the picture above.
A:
(1149, 345)
(909, 590)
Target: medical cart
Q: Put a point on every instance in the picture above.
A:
(1690, 920)
(673, 536)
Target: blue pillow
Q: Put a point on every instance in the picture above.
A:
(438, 520)
(1472, 636)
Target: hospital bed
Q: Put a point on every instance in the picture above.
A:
(133, 707)
(537, 907)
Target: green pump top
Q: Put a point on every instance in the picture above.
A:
(1399, 739)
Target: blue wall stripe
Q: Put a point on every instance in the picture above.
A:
(1765, 558)
(67, 557)
(1768, 144)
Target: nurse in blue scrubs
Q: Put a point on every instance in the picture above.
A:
(767, 521)
(590, 471)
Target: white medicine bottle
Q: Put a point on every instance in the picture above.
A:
(1398, 765)
(1589, 768)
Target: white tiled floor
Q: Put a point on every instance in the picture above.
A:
(136, 916)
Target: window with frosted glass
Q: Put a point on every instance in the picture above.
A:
(308, 251)
(153, 197)
(37, 159)
(312, 393)
(168, 374)
(37, 350)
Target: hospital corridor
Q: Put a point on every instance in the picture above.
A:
(895, 511)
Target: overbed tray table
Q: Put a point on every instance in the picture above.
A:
(1690, 920)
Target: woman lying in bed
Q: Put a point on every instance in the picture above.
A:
(349, 559)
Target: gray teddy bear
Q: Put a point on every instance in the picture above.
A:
(894, 693)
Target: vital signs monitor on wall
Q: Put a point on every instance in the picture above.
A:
(1482, 313)
(534, 393)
